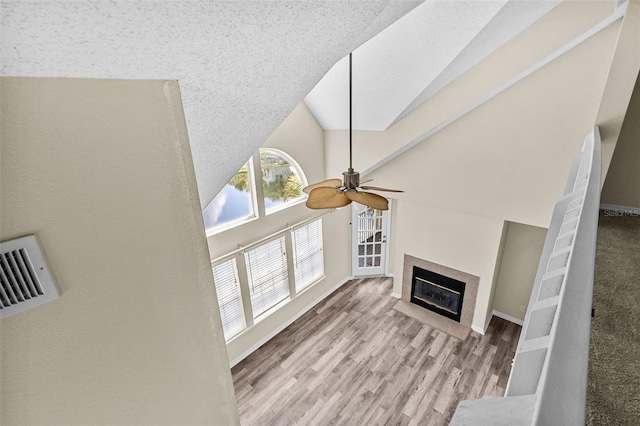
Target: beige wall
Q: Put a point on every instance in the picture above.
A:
(510, 157)
(301, 137)
(523, 248)
(337, 264)
(101, 172)
(506, 160)
(622, 184)
(456, 240)
(551, 32)
(460, 189)
(623, 73)
(496, 272)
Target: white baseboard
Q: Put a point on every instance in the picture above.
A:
(396, 295)
(616, 210)
(288, 322)
(495, 313)
(480, 329)
(507, 317)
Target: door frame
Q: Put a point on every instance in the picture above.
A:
(386, 229)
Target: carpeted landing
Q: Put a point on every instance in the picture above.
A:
(613, 394)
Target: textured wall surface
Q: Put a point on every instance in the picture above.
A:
(100, 171)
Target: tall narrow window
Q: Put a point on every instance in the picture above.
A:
(282, 180)
(225, 277)
(268, 277)
(307, 254)
(233, 204)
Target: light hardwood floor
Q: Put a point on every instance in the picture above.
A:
(353, 360)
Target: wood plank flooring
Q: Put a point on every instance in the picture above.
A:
(354, 360)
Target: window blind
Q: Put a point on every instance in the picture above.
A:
(225, 277)
(307, 254)
(268, 277)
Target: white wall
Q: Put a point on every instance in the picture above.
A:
(101, 172)
(301, 137)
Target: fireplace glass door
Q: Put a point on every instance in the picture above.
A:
(440, 294)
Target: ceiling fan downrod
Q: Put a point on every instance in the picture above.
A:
(350, 121)
(330, 194)
(351, 178)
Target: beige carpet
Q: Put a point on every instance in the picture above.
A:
(613, 395)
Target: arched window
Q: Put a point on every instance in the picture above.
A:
(234, 203)
(282, 180)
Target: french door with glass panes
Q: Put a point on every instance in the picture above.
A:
(369, 240)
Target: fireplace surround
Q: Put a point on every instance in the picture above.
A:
(461, 328)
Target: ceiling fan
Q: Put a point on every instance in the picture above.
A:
(333, 193)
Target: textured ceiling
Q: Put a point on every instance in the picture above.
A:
(242, 65)
(410, 61)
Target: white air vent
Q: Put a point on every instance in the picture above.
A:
(25, 279)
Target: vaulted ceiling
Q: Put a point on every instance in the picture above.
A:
(415, 57)
(244, 65)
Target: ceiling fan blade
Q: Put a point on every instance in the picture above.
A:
(329, 182)
(368, 199)
(366, 180)
(376, 188)
(326, 198)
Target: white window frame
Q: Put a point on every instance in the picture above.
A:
(257, 194)
(298, 170)
(253, 200)
(243, 273)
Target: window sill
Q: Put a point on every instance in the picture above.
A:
(230, 225)
(284, 206)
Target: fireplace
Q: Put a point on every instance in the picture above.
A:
(459, 327)
(437, 293)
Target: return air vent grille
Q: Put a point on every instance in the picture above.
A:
(25, 279)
